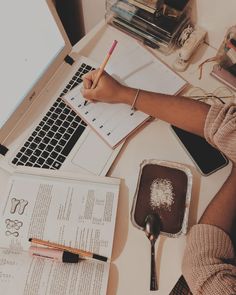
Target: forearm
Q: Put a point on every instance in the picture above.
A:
(180, 111)
(208, 248)
(204, 262)
(221, 211)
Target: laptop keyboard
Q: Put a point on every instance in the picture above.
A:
(57, 133)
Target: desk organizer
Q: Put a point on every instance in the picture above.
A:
(154, 29)
(163, 188)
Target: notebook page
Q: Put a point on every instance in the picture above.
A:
(113, 122)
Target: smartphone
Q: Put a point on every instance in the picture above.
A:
(206, 158)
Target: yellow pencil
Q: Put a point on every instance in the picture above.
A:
(102, 67)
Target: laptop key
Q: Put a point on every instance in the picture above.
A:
(36, 165)
(45, 154)
(58, 122)
(26, 144)
(14, 161)
(53, 142)
(78, 132)
(18, 155)
(66, 124)
(58, 136)
(55, 128)
(46, 140)
(70, 118)
(42, 146)
(23, 149)
(58, 111)
(40, 161)
(70, 130)
(37, 152)
(49, 148)
(54, 155)
(46, 127)
(30, 138)
(36, 140)
(50, 134)
(58, 148)
(56, 165)
(49, 161)
(45, 166)
(33, 159)
(74, 124)
(54, 116)
(62, 117)
(28, 152)
(61, 158)
(66, 136)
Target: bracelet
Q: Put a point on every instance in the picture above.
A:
(135, 99)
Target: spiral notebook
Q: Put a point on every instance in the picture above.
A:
(139, 69)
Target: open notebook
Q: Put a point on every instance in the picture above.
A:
(138, 69)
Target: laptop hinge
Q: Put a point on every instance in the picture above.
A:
(69, 60)
(3, 150)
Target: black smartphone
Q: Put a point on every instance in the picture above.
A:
(205, 156)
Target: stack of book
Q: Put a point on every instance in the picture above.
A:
(146, 21)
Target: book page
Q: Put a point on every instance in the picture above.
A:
(59, 208)
(76, 213)
(24, 275)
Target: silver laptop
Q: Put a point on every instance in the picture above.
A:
(37, 69)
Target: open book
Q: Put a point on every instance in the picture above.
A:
(138, 69)
(77, 211)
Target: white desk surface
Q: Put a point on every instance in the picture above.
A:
(130, 268)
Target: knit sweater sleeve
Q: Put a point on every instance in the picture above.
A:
(208, 264)
(220, 128)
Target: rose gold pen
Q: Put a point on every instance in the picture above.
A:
(82, 254)
(54, 254)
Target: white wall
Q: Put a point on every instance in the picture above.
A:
(216, 16)
(93, 12)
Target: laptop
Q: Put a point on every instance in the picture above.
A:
(37, 128)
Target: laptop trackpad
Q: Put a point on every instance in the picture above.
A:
(93, 154)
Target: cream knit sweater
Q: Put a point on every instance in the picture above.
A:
(209, 262)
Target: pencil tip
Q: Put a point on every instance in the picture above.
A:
(30, 239)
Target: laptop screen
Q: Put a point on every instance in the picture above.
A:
(30, 42)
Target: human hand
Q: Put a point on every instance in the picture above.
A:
(107, 89)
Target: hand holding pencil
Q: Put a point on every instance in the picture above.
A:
(91, 79)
